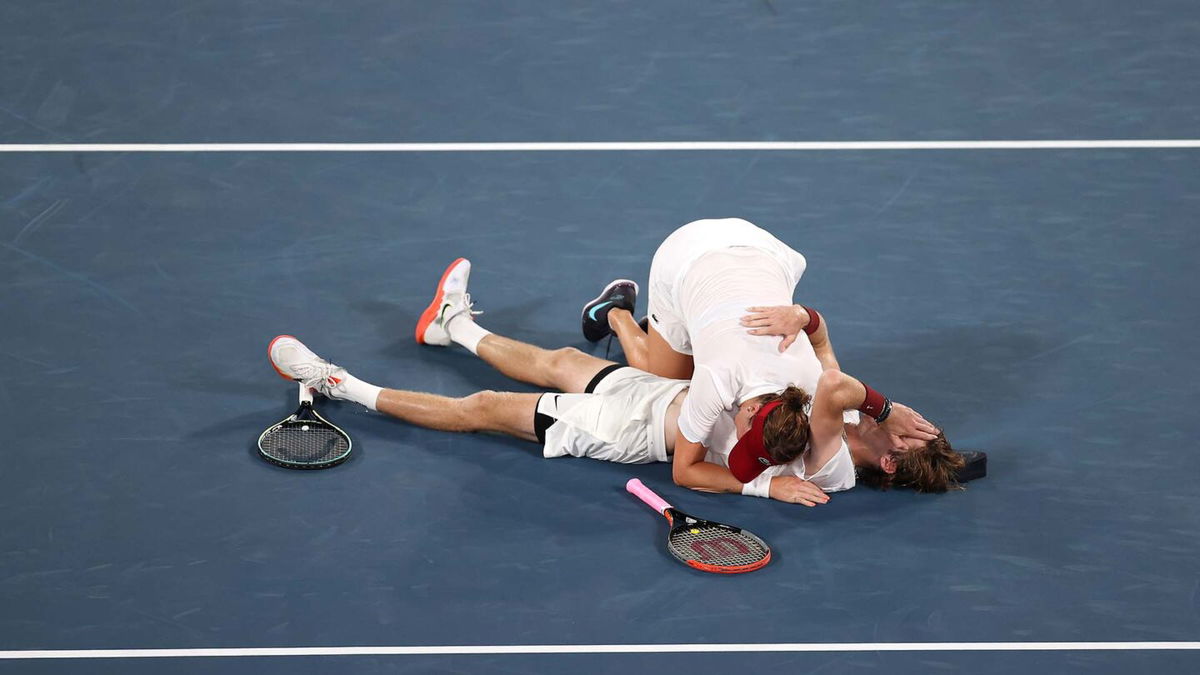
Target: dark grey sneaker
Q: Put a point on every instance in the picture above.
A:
(620, 293)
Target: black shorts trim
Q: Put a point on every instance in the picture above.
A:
(541, 421)
(604, 372)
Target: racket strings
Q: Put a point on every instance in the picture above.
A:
(716, 546)
(305, 443)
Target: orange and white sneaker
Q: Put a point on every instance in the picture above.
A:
(450, 300)
(294, 361)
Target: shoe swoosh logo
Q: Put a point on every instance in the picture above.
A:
(597, 308)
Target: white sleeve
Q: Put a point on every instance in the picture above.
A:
(835, 476)
(704, 405)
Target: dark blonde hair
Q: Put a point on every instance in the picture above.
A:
(932, 468)
(785, 431)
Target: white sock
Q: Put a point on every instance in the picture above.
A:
(466, 332)
(362, 393)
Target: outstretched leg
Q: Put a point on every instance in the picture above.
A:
(498, 411)
(565, 369)
(449, 319)
(512, 414)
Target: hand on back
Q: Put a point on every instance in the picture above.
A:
(785, 320)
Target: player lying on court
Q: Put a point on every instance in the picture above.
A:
(774, 446)
(703, 279)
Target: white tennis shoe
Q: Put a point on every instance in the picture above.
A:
(450, 300)
(294, 361)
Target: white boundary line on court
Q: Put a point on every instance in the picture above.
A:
(602, 146)
(610, 147)
(601, 649)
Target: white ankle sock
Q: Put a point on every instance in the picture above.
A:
(362, 393)
(466, 332)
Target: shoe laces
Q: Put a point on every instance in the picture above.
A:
(318, 375)
(465, 305)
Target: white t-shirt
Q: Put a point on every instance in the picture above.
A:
(731, 365)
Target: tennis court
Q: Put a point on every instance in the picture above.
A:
(1037, 302)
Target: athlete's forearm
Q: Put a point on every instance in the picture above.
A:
(689, 469)
(707, 477)
(822, 346)
(841, 391)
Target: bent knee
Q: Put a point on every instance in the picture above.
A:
(475, 410)
(564, 355)
(563, 360)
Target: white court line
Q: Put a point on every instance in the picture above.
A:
(604, 147)
(602, 649)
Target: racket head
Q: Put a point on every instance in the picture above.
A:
(714, 547)
(305, 440)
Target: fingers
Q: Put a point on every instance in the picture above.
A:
(923, 435)
(812, 499)
(810, 495)
(787, 342)
(755, 320)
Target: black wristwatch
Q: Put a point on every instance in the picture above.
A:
(887, 410)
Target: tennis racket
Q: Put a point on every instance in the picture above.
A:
(703, 544)
(305, 440)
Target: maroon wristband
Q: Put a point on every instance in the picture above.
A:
(875, 404)
(814, 321)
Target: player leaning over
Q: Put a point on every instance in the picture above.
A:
(703, 278)
(618, 413)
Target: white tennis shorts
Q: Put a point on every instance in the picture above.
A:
(622, 420)
(683, 247)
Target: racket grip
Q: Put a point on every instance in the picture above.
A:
(638, 489)
(305, 395)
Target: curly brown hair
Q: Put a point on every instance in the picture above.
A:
(785, 431)
(932, 468)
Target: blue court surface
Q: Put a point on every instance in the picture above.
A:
(1039, 304)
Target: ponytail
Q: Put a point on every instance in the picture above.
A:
(786, 431)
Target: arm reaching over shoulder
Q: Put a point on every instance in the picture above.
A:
(789, 321)
(838, 392)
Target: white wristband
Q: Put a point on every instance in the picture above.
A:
(758, 488)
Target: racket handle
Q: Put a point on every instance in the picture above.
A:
(305, 394)
(635, 487)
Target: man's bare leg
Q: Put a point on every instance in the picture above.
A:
(648, 350)
(566, 369)
(450, 319)
(631, 337)
(503, 412)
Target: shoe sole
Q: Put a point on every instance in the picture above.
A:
(270, 347)
(583, 317)
(606, 291)
(431, 312)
